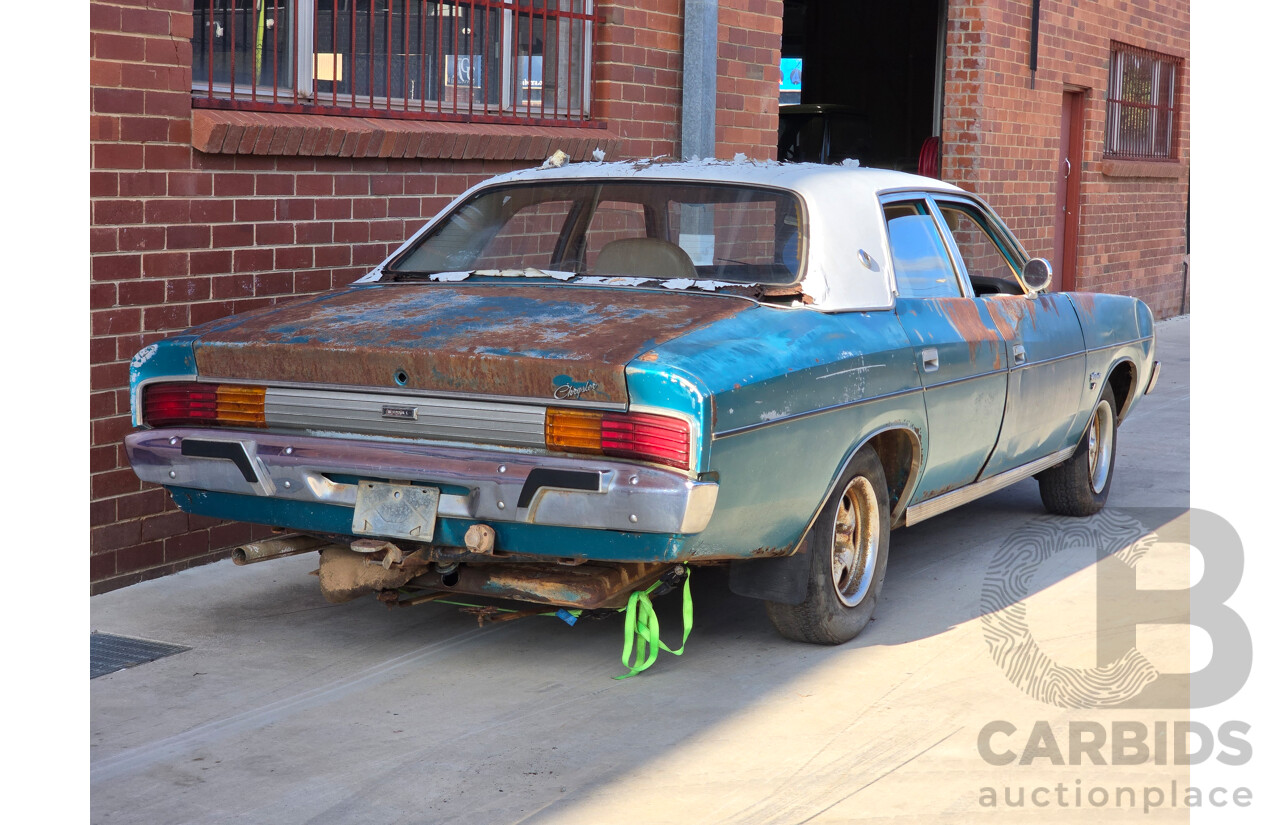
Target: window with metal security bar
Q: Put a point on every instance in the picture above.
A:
(502, 61)
(1142, 104)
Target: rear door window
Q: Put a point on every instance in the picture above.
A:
(921, 263)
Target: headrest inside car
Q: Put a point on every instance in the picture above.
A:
(645, 258)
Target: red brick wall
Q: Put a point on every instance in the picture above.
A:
(638, 63)
(180, 236)
(1001, 137)
(640, 51)
(749, 74)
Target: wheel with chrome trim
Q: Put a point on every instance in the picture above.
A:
(848, 549)
(1079, 485)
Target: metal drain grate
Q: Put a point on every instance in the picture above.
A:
(109, 653)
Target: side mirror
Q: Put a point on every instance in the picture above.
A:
(1036, 276)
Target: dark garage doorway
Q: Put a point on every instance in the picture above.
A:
(876, 65)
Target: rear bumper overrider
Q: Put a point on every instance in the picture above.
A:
(584, 491)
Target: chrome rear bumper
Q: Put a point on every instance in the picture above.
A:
(582, 491)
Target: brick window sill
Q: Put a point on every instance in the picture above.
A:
(1114, 168)
(215, 131)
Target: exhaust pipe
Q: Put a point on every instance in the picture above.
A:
(275, 548)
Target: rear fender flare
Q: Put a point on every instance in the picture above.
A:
(785, 578)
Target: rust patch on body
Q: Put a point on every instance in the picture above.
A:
(488, 340)
(966, 320)
(1083, 301)
(1008, 313)
(589, 586)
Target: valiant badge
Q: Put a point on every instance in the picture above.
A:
(397, 413)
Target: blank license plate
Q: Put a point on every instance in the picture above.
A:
(400, 510)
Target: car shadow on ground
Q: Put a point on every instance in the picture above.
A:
(358, 712)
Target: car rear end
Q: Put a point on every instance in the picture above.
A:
(566, 463)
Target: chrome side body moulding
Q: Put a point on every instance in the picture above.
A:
(972, 492)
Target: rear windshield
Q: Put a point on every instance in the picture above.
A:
(618, 229)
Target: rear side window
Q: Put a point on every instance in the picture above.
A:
(921, 265)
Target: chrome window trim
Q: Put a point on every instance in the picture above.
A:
(899, 196)
(953, 250)
(936, 200)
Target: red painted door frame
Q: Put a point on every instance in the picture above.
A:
(1066, 224)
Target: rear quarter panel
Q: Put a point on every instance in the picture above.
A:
(787, 394)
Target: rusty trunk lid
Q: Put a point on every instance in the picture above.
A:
(570, 343)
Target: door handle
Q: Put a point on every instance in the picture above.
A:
(929, 359)
(1019, 354)
(1067, 161)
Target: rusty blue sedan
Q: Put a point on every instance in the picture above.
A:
(578, 381)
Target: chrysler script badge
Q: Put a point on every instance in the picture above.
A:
(399, 413)
(567, 388)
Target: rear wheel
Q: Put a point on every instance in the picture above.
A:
(1079, 485)
(848, 550)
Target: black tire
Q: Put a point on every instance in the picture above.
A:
(845, 574)
(1079, 485)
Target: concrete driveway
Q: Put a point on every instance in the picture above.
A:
(290, 710)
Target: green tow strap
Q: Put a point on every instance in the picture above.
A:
(641, 629)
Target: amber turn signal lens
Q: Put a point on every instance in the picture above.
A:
(575, 431)
(242, 406)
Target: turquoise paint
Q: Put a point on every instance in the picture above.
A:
(1047, 386)
(1111, 319)
(789, 393)
(965, 396)
(168, 357)
(533, 539)
(770, 363)
(774, 479)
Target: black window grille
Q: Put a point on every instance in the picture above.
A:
(1142, 104)
(487, 60)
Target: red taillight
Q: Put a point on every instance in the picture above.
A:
(657, 438)
(648, 437)
(188, 402)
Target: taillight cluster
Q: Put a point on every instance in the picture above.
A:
(188, 402)
(657, 438)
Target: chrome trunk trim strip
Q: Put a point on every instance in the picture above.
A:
(379, 414)
(417, 393)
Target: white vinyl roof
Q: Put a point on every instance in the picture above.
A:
(841, 201)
